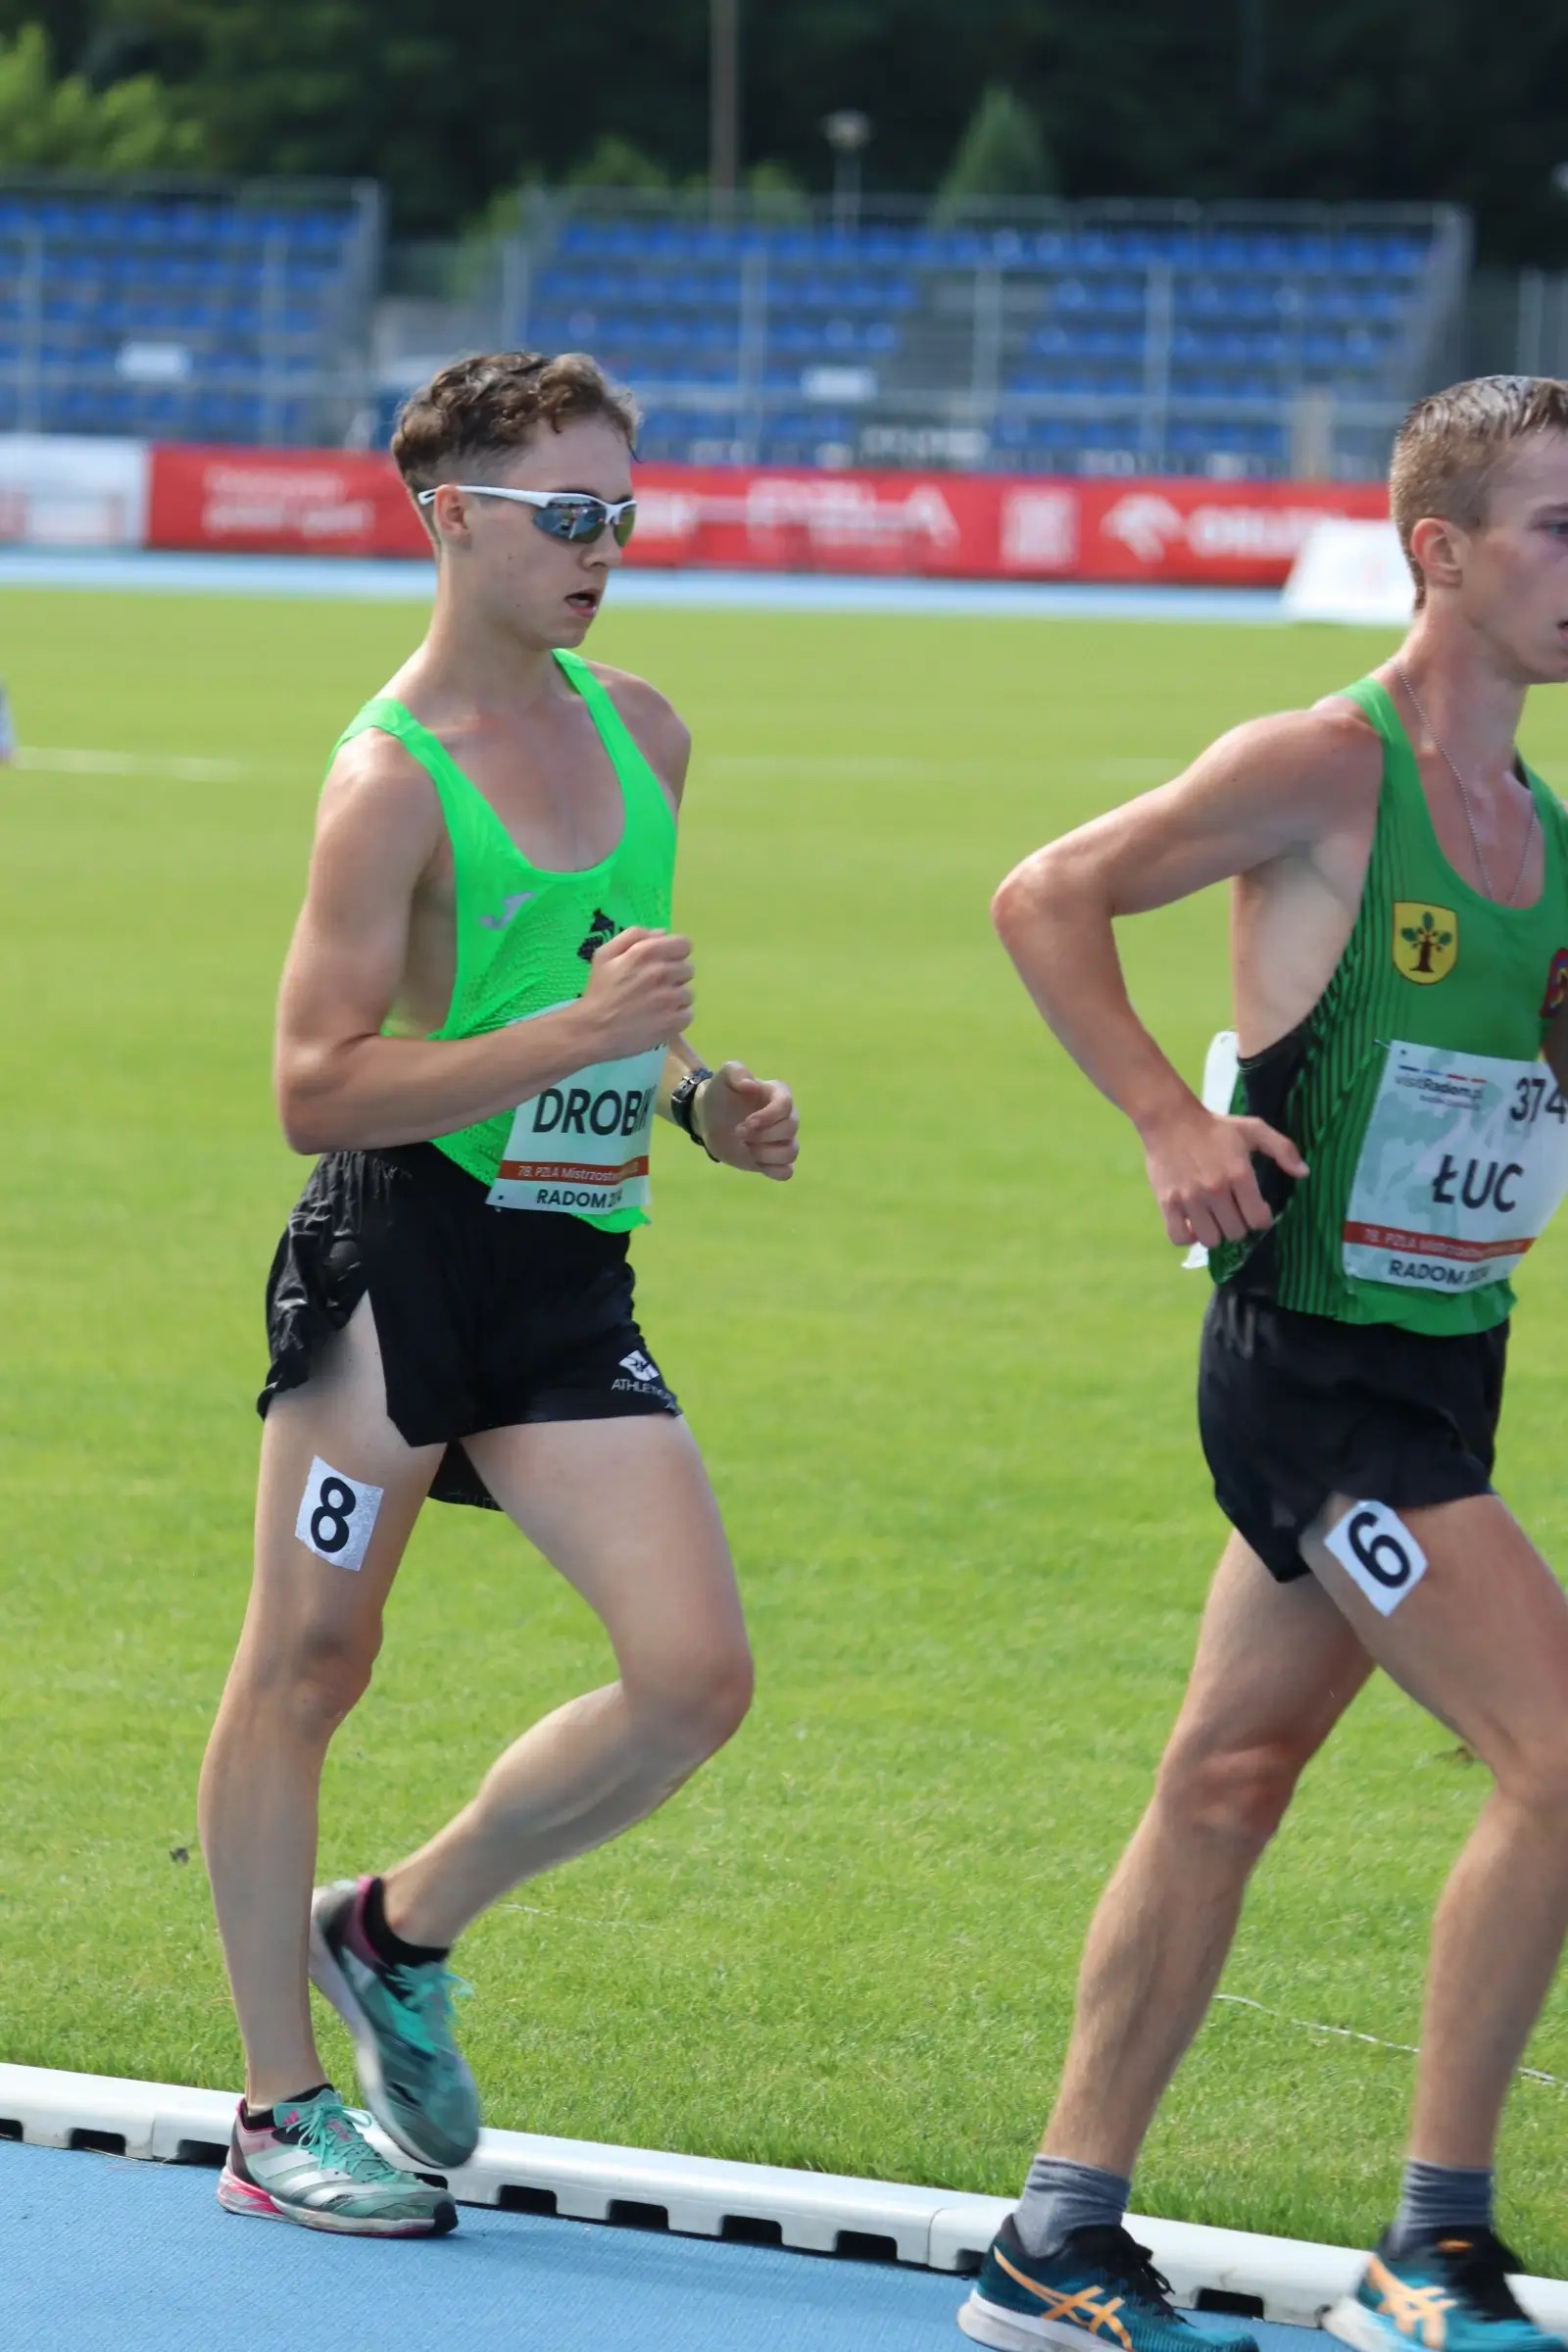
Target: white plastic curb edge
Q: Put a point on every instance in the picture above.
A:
(935, 2228)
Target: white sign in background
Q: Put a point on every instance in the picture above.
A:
(1353, 572)
(66, 490)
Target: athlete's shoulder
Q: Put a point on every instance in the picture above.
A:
(1329, 749)
(656, 726)
(374, 779)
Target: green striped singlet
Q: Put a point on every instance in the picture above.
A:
(1414, 1090)
(524, 939)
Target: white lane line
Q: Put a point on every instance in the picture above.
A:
(61, 761)
(874, 768)
(1405, 2049)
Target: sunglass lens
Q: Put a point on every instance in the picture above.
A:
(581, 519)
(569, 518)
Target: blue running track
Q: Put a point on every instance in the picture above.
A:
(389, 579)
(123, 2256)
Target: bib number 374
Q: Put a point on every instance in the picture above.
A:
(1464, 1162)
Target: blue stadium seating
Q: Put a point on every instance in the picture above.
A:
(178, 317)
(1168, 345)
(1100, 342)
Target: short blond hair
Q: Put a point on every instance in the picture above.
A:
(1451, 444)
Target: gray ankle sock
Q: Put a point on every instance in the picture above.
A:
(1440, 2196)
(1060, 2196)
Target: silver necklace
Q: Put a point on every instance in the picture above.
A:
(1464, 799)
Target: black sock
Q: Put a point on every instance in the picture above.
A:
(265, 2119)
(387, 1943)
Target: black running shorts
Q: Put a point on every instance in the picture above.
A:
(485, 1316)
(1292, 1408)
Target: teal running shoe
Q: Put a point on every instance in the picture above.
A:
(1448, 2292)
(1098, 2288)
(414, 2078)
(313, 2164)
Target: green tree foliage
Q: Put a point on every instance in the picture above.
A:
(1002, 153)
(615, 162)
(65, 124)
(776, 193)
(447, 101)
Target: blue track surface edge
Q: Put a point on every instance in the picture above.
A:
(108, 2251)
(150, 571)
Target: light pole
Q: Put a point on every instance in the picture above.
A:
(1251, 68)
(847, 132)
(723, 106)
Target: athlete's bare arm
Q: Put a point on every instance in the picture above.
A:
(748, 1122)
(656, 726)
(1555, 1047)
(341, 1084)
(1284, 807)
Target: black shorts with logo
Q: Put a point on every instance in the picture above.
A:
(1292, 1408)
(485, 1316)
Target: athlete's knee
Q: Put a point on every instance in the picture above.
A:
(1238, 1792)
(313, 1680)
(1530, 1765)
(692, 1707)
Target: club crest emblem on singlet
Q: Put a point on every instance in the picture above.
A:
(1556, 995)
(1426, 940)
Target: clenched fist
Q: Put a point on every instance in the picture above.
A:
(749, 1122)
(639, 992)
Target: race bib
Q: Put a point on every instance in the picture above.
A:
(583, 1145)
(1463, 1163)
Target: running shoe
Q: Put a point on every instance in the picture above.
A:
(414, 2078)
(1448, 2292)
(314, 2165)
(1098, 2288)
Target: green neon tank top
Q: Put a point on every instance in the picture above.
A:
(524, 939)
(1414, 1088)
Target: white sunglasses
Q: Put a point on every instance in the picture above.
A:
(572, 515)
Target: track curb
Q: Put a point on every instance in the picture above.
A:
(1275, 2278)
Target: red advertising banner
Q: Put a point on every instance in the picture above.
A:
(280, 502)
(989, 526)
(977, 526)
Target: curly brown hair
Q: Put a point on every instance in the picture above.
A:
(1451, 444)
(479, 412)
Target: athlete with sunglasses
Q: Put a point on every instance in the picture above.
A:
(481, 1013)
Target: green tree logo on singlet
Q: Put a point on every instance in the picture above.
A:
(1426, 940)
(602, 929)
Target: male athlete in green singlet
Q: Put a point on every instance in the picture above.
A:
(481, 1010)
(1395, 1142)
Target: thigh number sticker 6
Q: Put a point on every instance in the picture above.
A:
(337, 1515)
(1375, 1548)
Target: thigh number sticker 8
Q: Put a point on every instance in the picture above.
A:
(1375, 1548)
(337, 1515)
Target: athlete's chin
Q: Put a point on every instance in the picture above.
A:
(1548, 664)
(573, 618)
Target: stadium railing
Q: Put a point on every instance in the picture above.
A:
(1119, 339)
(185, 309)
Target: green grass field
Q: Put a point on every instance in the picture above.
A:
(944, 1383)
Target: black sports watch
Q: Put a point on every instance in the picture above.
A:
(683, 1102)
